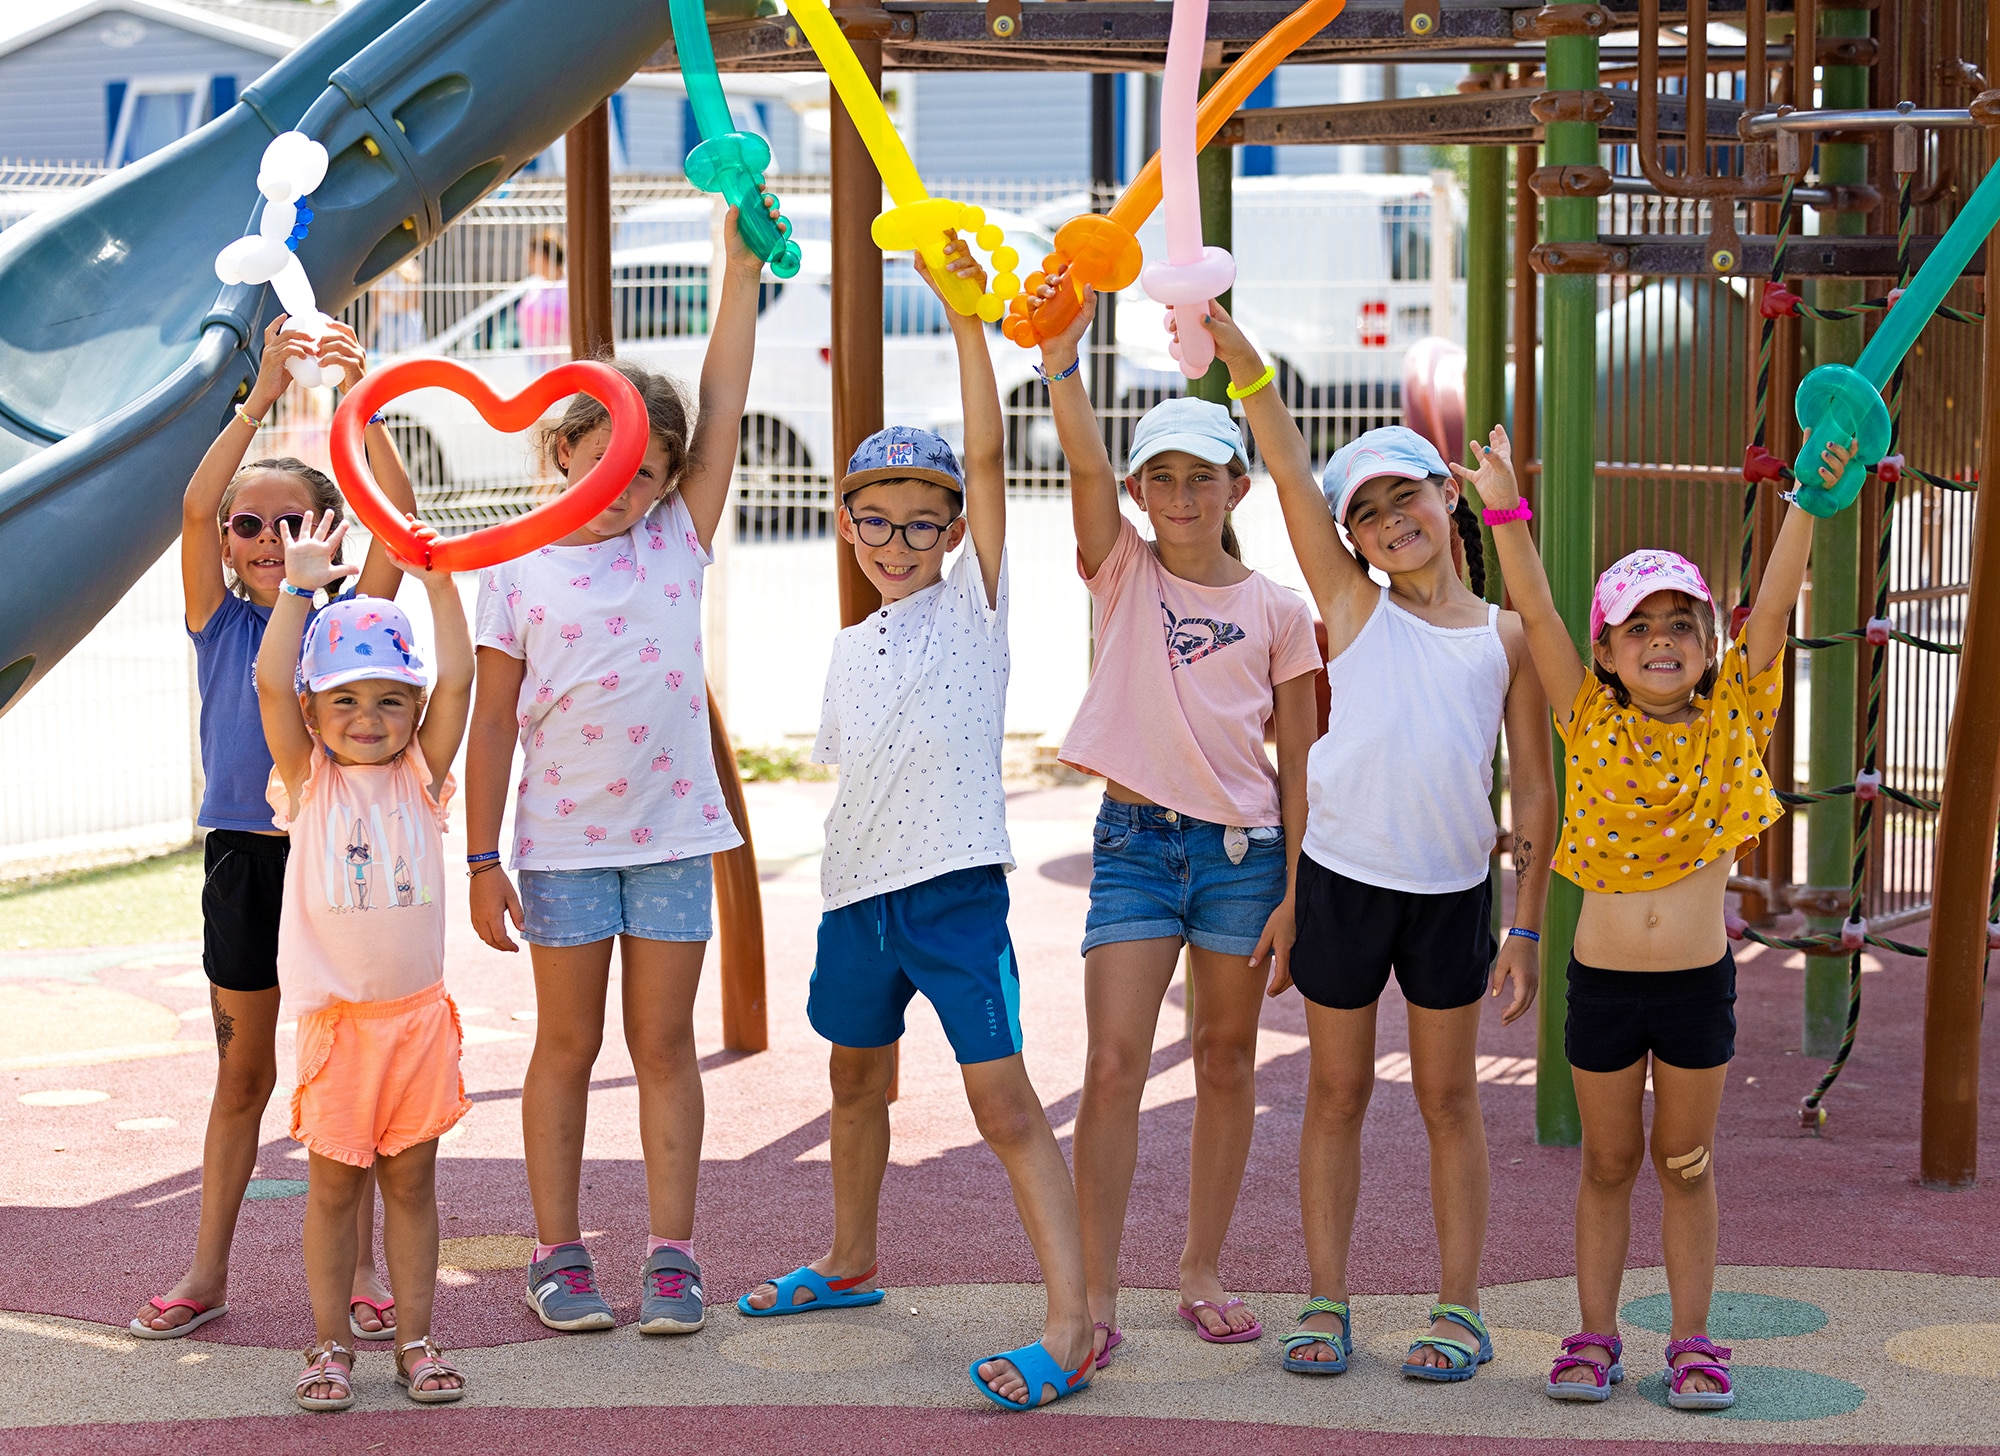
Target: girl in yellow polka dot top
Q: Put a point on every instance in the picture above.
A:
(1664, 788)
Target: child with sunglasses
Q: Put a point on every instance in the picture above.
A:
(232, 573)
(914, 875)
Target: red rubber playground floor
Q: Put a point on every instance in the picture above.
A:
(1864, 1311)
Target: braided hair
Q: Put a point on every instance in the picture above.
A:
(1471, 547)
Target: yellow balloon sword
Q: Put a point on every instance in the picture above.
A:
(919, 222)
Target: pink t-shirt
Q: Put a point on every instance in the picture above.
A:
(1182, 686)
(363, 915)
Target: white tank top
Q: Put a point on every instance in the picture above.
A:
(1398, 791)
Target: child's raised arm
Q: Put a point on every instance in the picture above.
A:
(1784, 574)
(450, 701)
(1093, 484)
(1549, 643)
(725, 383)
(380, 576)
(1339, 584)
(985, 432)
(308, 565)
(202, 584)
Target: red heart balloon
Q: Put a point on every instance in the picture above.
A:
(490, 545)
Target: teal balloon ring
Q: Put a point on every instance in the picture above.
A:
(1837, 404)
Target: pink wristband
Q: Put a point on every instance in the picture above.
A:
(1520, 512)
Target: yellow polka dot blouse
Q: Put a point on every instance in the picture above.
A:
(1647, 803)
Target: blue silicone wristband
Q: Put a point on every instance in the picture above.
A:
(1075, 365)
(486, 858)
(1534, 935)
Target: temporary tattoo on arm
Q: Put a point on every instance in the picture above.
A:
(225, 1024)
(1524, 854)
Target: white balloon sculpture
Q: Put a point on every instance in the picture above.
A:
(294, 164)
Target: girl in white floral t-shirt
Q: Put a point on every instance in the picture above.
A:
(590, 658)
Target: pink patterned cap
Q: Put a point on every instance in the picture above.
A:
(1631, 579)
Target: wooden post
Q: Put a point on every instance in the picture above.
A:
(592, 332)
(1955, 973)
(587, 256)
(857, 328)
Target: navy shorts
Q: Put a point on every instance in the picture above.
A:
(1156, 872)
(1686, 1019)
(945, 937)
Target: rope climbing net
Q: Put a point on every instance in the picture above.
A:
(1760, 465)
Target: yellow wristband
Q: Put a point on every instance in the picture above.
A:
(1270, 373)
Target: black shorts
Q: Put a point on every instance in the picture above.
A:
(242, 887)
(1351, 933)
(1686, 1019)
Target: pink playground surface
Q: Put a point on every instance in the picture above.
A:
(107, 1220)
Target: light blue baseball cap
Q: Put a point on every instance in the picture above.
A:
(357, 637)
(1392, 450)
(1198, 426)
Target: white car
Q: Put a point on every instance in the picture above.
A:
(660, 284)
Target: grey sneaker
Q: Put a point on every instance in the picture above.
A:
(562, 1291)
(670, 1294)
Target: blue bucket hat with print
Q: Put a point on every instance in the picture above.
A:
(359, 637)
(903, 452)
(1394, 450)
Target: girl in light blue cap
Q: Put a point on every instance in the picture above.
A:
(1396, 866)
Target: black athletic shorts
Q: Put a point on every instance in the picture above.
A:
(242, 887)
(1351, 934)
(1684, 1018)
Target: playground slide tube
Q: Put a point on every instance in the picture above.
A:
(424, 108)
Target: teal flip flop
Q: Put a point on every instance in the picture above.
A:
(826, 1293)
(1340, 1341)
(1039, 1369)
(1465, 1357)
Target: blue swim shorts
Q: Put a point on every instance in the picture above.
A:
(1156, 872)
(665, 901)
(945, 937)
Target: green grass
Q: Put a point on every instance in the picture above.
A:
(769, 765)
(137, 904)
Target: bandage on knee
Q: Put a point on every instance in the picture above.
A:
(1690, 1165)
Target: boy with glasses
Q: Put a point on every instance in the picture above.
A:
(914, 875)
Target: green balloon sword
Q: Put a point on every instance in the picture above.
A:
(728, 161)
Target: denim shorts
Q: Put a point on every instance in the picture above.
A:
(1155, 872)
(666, 901)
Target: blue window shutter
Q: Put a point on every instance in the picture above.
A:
(114, 103)
(1261, 161)
(221, 95)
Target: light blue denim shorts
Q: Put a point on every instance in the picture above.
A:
(666, 901)
(1157, 873)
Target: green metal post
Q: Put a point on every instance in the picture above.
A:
(1569, 526)
(1486, 356)
(1215, 167)
(1836, 587)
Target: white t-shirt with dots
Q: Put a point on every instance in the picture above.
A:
(915, 712)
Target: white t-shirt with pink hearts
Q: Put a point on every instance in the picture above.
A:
(617, 765)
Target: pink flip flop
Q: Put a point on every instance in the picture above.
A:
(1112, 1340)
(1187, 1312)
(385, 1312)
(201, 1316)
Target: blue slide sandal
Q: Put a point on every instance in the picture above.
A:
(1039, 1369)
(826, 1293)
(1465, 1356)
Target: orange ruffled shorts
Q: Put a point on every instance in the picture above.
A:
(378, 1077)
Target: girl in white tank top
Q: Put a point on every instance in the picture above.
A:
(1395, 869)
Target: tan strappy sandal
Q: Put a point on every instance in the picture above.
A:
(430, 1362)
(323, 1369)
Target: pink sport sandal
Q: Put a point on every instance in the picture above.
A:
(1716, 1366)
(1606, 1375)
